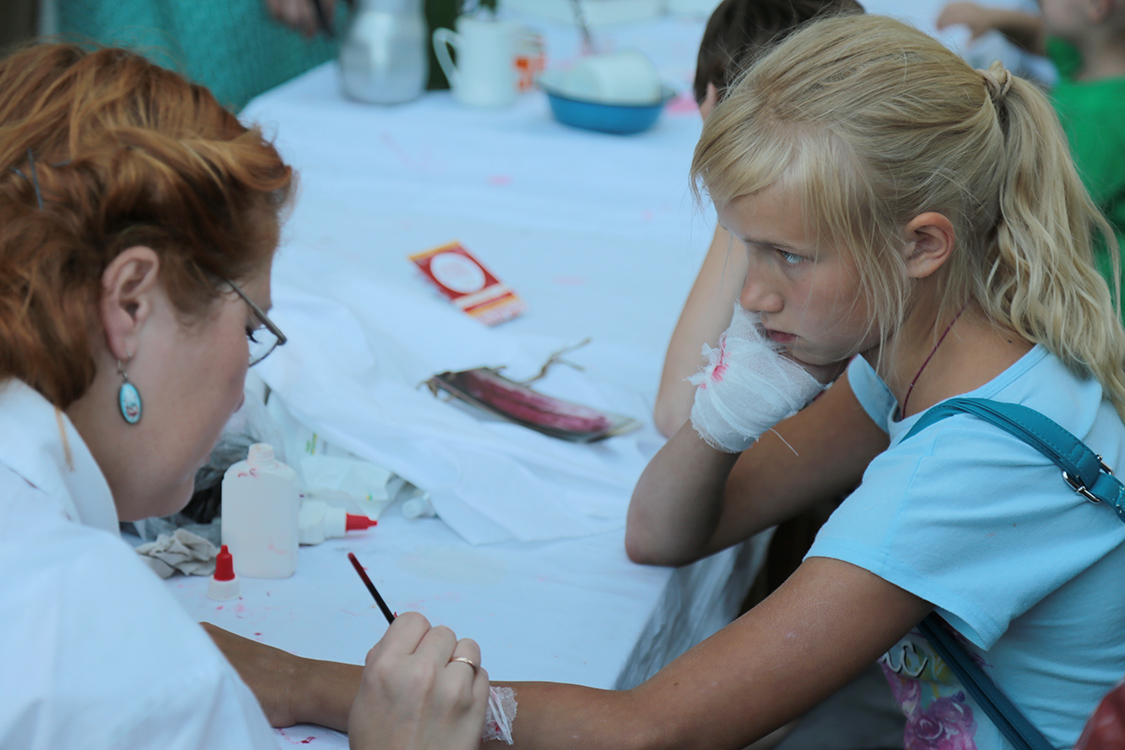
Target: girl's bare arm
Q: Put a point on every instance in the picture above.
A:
(692, 500)
(705, 316)
(828, 622)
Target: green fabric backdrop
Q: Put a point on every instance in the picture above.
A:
(233, 47)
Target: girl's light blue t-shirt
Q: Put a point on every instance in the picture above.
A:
(982, 525)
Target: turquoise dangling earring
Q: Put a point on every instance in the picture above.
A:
(128, 397)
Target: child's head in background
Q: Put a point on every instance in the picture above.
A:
(739, 30)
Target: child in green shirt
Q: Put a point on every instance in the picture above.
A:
(1091, 112)
(1086, 42)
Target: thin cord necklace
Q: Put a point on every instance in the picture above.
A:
(910, 388)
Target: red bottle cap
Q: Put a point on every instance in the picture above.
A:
(355, 522)
(224, 565)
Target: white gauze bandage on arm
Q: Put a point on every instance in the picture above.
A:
(500, 714)
(747, 386)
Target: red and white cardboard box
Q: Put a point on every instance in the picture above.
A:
(468, 284)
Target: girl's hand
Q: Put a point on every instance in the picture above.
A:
(414, 697)
(301, 14)
(748, 386)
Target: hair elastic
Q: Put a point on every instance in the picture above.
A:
(128, 397)
(34, 179)
(998, 81)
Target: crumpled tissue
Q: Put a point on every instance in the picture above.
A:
(181, 551)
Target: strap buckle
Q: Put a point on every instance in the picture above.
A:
(1080, 488)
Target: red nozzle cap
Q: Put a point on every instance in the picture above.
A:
(224, 565)
(354, 522)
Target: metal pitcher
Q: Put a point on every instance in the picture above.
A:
(384, 54)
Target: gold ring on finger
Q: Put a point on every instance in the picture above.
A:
(466, 660)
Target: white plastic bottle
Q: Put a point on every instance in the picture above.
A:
(259, 511)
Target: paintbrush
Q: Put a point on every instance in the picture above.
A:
(583, 26)
(371, 587)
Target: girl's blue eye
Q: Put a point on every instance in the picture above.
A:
(790, 258)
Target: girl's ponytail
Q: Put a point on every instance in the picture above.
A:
(1043, 282)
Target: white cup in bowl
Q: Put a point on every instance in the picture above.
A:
(625, 77)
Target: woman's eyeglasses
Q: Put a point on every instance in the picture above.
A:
(264, 338)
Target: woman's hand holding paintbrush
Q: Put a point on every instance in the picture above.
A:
(421, 688)
(416, 679)
(413, 695)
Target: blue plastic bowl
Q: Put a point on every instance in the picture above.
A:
(620, 119)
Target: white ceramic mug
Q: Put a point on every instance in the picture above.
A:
(625, 77)
(485, 73)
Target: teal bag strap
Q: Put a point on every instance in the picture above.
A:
(1086, 474)
(1008, 719)
(1082, 469)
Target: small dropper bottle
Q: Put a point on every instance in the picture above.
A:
(224, 584)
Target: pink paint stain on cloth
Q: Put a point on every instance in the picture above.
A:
(389, 141)
(682, 105)
(720, 366)
(569, 280)
(294, 741)
(417, 162)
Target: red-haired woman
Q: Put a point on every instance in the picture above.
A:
(138, 223)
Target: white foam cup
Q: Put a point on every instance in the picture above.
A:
(625, 77)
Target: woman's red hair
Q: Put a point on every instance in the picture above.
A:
(120, 152)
